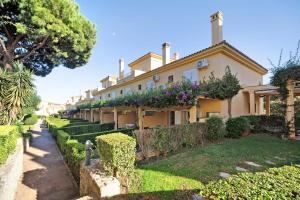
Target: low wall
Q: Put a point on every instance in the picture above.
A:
(11, 172)
(94, 182)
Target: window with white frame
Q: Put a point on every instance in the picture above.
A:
(113, 95)
(191, 75)
(150, 85)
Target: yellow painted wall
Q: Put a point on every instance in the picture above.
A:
(128, 118)
(208, 105)
(159, 118)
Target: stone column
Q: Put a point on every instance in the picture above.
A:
(193, 114)
(140, 118)
(101, 116)
(252, 102)
(85, 115)
(290, 113)
(92, 115)
(268, 105)
(116, 118)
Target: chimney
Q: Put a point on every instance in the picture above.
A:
(121, 68)
(165, 53)
(216, 27)
(176, 56)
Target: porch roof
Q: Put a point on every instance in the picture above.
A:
(267, 90)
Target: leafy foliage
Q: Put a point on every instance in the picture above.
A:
(117, 152)
(289, 70)
(31, 119)
(236, 126)
(44, 34)
(215, 128)
(89, 128)
(222, 88)
(16, 89)
(274, 183)
(8, 140)
(62, 138)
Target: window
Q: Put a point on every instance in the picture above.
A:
(191, 75)
(108, 95)
(121, 91)
(170, 79)
(150, 85)
(140, 87)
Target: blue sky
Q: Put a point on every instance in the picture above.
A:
(131, 28)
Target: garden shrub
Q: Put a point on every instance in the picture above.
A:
(90, 128)
(62, 138)
(82, 138)
(215, 128)
(166, 139)
(274, 183)
(270, 124)
(117, 152)
(8, 141)
(74, 154)
(236, 127)
(31, 119)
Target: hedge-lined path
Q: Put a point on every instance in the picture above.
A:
(45, 175)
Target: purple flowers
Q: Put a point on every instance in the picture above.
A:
(195, 86)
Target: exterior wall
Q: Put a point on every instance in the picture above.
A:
(158, 119)
(209, 106)
(96, 115)
(217, 64)
(108, 117)
(128, 118)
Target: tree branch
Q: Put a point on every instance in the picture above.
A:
(15, 42)
(7, 33)
(3, 47)
(29, 53)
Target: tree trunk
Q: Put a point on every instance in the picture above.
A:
(229, 106)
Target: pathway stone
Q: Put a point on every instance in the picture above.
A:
(224, 174)
(45, 174)
(252, 164)
(241, 169)
(270, 162)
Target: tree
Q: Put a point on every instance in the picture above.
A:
(222, 88)
(43, 34)
(16, 88)
(31, 105)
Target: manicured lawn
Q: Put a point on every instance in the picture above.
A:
(193, 168)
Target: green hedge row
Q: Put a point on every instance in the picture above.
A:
(79, 123)
(274, 183)
(8, 141)
(74, 154)
(31, 119)
(82, 138)
(62, 138)
(117, 152)
(90, 128)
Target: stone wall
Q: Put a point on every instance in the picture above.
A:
(94, 182)
(11, 172)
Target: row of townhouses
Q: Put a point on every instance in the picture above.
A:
(153, 70)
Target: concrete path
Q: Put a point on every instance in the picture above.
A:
(45, 175)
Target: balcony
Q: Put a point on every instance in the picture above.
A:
(130, 75)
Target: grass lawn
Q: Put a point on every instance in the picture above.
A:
(192, 168)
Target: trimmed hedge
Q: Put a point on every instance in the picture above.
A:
(264, 123)
(90, 128)
(8, 141)
(215, 128)
(62, 138)
(31, 120)
(117, 152)
(79, 124)
(74, 154)
(274, 183)
(236, 127)
(82, 138)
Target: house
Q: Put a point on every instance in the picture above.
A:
(154, 70)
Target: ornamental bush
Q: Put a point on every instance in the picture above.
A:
(236, 127)
(8, 141)
(62, 138)
(82, 138)
(215, 128)
(31, 120)
(274, 183)
(117, 152)
(90, 128)
(74, 154)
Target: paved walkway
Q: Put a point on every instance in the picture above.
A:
(45, 175)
